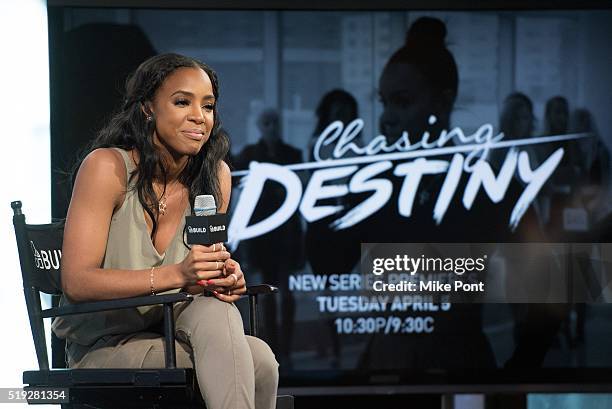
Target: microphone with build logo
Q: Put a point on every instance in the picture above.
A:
(206, 227)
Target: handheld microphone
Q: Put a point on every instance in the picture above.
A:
(207, 226)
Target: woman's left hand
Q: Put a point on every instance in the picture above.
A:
(230, 288)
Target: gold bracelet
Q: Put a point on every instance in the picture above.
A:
(151, 281)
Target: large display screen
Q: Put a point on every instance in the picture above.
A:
(355, 127)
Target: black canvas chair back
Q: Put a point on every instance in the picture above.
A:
(40, 252)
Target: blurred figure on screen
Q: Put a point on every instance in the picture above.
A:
(568, 174)
(596, 160)
(534, 325)
(517, 120)
(556, 116)
(279, 253)
(335, 105)
(420, 81)
(576, 183)
(587, 194)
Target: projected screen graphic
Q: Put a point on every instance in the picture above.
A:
(388, 127)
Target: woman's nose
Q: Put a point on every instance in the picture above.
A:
(197, 115)
(198, 119)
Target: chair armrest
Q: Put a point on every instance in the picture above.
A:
(116, 304)
(261, 289)
(253, 292)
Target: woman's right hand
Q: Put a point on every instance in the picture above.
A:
(203, 263)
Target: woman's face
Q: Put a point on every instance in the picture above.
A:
(183, 108)
(407, 101)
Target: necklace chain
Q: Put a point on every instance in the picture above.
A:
(162, 204)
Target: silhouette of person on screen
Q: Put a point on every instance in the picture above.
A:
(275, 262)
(419, 81)
(597, 165)
(335, 105)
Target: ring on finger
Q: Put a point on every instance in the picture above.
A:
(214, 247)
(235, 277)
(229, 292)
(217, 265)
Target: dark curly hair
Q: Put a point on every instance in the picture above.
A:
(129, 129)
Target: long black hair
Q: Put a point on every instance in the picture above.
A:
(129, 129)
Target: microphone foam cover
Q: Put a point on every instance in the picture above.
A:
(204, 205)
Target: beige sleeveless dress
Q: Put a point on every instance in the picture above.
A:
(128, 247)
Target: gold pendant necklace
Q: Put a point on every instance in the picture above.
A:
(163, 200)
(162, 205)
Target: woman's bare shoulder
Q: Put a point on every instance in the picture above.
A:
(104, 162)
(103, 172)
(104, 157)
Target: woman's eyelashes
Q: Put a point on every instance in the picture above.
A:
(186, 102)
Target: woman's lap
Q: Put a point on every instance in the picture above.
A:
(147, 349)
(138, 350)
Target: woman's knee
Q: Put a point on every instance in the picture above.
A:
(264, 361)
(205, 312)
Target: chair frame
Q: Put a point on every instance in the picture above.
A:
(99, 387)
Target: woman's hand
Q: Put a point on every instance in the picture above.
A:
(203, 263)
(230, 288)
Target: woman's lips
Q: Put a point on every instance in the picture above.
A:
(195, 135)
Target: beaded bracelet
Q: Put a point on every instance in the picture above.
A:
(151, 281)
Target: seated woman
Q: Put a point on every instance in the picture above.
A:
(123, 238)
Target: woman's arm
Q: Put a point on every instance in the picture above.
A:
(100, 189)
